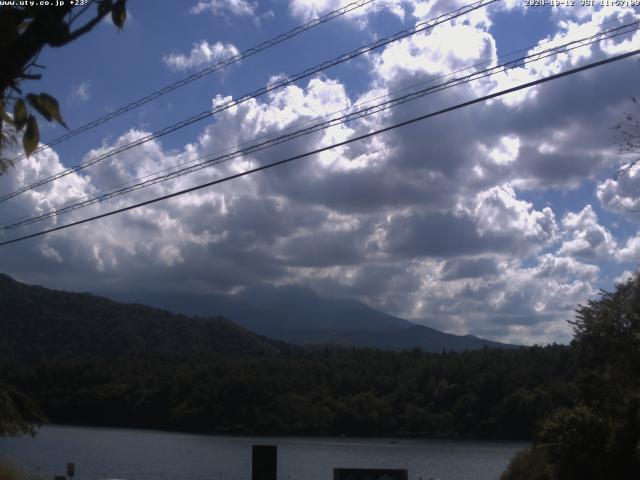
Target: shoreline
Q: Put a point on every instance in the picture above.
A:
(298, 438)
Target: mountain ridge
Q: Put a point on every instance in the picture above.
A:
(293, 314)
(38, 323)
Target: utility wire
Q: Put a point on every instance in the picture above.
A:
(360, 113)
(329, 147)
(419, 27)
(58, 210)
(133, 184)
(202, 73)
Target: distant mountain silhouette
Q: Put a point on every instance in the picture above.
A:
(39, 323)
(298, 315)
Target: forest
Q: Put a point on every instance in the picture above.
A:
(579, 403)
(487, 393)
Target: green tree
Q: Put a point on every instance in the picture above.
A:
(599, 436)
(19, 414)
(24, 32)
(607, 332)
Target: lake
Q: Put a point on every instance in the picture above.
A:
(116, 453)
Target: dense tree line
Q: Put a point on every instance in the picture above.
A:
(487, 393)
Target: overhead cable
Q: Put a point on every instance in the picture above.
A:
(279, 83)
(329, 147)
(361, 112)
(203, 73)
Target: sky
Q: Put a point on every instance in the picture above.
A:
(495, 220)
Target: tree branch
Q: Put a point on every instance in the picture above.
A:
(82, 30)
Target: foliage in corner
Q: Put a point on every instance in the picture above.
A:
(24, 32)
(19, 413)
(599, 436)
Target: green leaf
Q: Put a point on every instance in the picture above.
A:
(50, 104)
(19, 114)
(119, 13)
(31, 135)
(34, 101)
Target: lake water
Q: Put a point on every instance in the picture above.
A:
(112, 453)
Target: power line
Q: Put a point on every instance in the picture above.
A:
(57, 210)
(268, 88)
(329, 147)
(204, 72)
(419, 27)
(358, 114)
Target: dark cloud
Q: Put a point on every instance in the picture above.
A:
(424, 222)
(469, 268)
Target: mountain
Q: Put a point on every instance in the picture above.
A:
(39, 323)
(423, 337)
(274, 310)
(298, 315)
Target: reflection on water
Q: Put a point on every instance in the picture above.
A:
(123, 454)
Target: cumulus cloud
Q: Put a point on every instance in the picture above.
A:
(499, 211)
(630, 252)
(309, 9)
(444, 49)
(225, 7)
(497, 296)
(434, 222)
(403, 9)
(620, 193)
(202, 53)
(585, 237)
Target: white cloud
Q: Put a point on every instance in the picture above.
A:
(444, 49)
(309, 9)
(497, 210)
(505, 152)
(585, 237)
(225, 7)
(202, 53)
(427, 222)
(81, 93)
(621, 194)
(631, 250)
(565, 268)
(515, 303)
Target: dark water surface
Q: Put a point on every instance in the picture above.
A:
(115, 453)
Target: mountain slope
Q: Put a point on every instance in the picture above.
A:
(38, 323)
(273, 311)
(298, 315)
(426, 338)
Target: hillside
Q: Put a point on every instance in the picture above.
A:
(425, 338)
(298, 315)
(38, 323)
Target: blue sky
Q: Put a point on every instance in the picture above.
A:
(494, 220)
